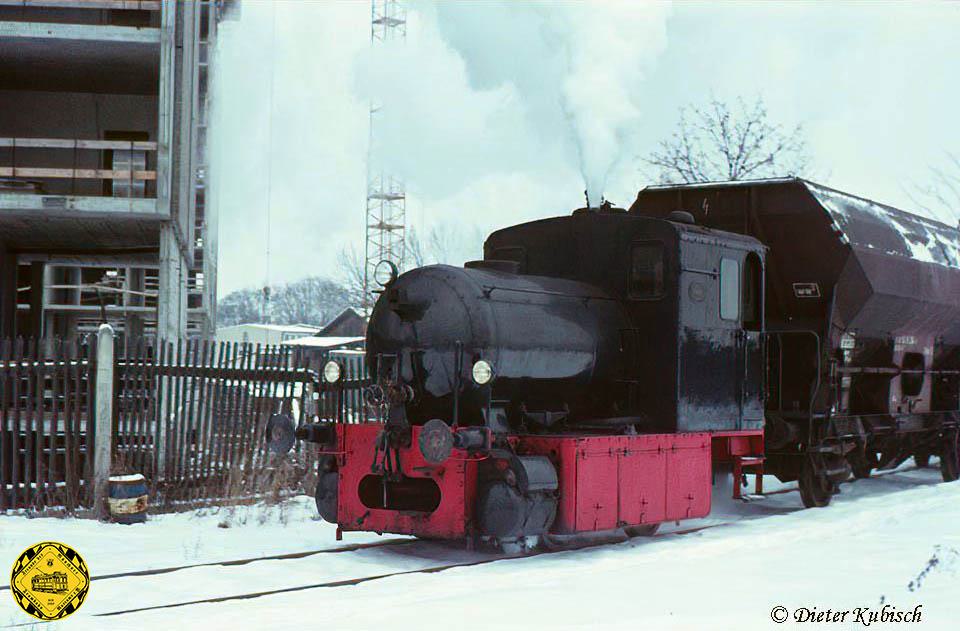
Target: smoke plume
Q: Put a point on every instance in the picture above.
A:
(514, 87)
(501, 112)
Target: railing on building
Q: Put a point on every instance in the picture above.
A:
(115, 5)
(128, 174)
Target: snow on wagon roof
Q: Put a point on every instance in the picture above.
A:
(869, 224)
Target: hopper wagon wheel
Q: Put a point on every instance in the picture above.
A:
(815, 489)
(950, 456)
(921, 458)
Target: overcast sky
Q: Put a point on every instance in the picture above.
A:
(496, 114)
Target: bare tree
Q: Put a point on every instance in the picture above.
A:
(940, 195)
(352, 272)
(312, 300)
(416, 257)
(720, 142)
(239, 307)
(446, 243)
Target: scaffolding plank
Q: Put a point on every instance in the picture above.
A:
(77, 143)
(130, 5)
(81, 32)
(82, 174)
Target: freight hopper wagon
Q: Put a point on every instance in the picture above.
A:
(587, 375)
(862, 341)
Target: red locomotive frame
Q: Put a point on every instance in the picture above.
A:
(605, 482)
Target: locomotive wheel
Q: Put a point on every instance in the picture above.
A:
(950, 457)
(646, 530)
(815, 489)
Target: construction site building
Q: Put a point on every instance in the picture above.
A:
(104, 213)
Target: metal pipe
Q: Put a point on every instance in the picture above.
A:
(458, 362)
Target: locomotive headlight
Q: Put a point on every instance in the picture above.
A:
(482, 372)
(331, 372)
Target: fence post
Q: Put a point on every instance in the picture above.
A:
(102, 449)
(163, 409)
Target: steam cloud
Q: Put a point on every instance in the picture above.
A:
(488, 112)
(513, 87)
(608, 52)
(497, 112)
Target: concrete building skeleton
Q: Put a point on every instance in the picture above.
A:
(104, 205)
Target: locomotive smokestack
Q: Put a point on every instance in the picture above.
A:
(589, 206)
(605, 206)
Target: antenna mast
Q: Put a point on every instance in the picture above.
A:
(386, 210)
(265, 309)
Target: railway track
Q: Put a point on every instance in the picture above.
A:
(380, 544)
(340, 582)
(435, 569)
(363, 550)
(272, 557)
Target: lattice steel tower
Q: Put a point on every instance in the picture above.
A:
(386, 212)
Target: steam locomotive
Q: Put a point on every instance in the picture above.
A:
(594, 371)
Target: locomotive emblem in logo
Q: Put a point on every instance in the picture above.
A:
(49, 580)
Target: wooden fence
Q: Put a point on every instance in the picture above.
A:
(45, 423)
(343, 402)
(190, 416)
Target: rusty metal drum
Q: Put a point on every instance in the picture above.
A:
(127, 498)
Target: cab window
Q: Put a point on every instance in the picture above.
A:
(646, 270)
(729, 289)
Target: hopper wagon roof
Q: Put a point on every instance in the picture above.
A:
(894, 270)
(876, 226)
(865, 223)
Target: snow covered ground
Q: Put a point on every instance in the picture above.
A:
(892, 540)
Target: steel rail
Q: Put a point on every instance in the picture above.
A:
(273, 557)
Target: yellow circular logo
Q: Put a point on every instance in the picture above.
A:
(49, 580)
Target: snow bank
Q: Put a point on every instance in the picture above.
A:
(890, 540)
(201, 536)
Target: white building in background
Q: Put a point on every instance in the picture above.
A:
(272, 334)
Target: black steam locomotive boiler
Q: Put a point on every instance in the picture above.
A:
(593, 371)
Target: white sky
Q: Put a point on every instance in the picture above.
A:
(476, 129)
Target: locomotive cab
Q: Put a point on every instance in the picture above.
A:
(691, 345)
(720, 332)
